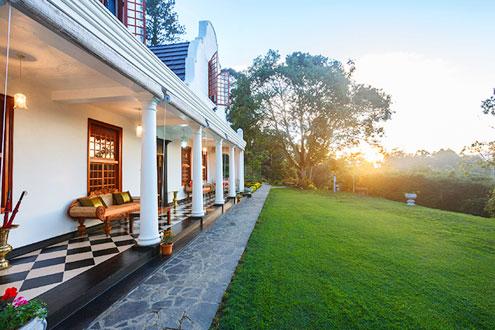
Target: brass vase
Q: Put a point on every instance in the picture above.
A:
(5, 247)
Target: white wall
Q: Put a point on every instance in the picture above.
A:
(50, 150)
(199, 54)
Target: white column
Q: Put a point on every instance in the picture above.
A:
(219, 199)
(232, 191)
(241, 170)
(197, 187)
(148, 229)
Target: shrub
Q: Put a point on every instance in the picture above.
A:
(447, 193)
(490, 205)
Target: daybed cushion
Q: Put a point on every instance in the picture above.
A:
(116, 210)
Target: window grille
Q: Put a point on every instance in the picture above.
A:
(224, 87)
(213, 71)
(104, 157)
(136, 18)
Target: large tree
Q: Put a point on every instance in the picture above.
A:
(314, 107)
(162, 22)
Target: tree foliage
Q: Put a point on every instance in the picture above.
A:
(162, 22)
(263, 156)
(313, 107)
(488, 105)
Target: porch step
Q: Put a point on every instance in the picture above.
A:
(66, 299)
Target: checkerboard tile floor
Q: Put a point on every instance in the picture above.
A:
(39, 271)
(182, 212)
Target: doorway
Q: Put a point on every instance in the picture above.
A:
(161, 164)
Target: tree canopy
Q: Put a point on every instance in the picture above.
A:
(162, 22)
(311, 107)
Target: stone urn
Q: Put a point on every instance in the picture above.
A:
(411, 198)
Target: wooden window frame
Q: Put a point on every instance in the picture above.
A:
(121, 7)
(186, 179)
(8, 152)
(119, 146)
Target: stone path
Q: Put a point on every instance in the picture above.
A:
(190, 286)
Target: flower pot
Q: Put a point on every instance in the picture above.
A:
(34, 324)
(166, 249)
(5, 247)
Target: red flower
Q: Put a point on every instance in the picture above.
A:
(10, 293)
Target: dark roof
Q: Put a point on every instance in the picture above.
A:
(174, 56)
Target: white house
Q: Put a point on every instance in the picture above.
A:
(104, 112)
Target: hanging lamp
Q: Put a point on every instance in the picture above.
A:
(183, 140)
(20, 100)
(139, 127)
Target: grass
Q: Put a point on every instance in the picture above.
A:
(319, 261)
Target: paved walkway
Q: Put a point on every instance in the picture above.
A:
(193, 282)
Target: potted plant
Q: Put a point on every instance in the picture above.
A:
(6, 227)
(167, 243)
(16, 312)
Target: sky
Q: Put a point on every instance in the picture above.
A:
(435, 58)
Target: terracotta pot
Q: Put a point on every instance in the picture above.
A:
(5, 247)
(166, 249)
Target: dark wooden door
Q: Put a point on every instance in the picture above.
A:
(6, 141)
(161, 164)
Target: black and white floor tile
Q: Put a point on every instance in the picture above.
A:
(39, 271)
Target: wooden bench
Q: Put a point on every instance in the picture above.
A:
(105, 214)
(207, 189)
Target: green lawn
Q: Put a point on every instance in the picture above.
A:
(318, 260)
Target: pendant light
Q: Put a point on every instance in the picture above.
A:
(139, 131)
(139, 127)
(20, 100)
(183, 140)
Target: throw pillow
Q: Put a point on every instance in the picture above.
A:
(91, 201)
(122, 198)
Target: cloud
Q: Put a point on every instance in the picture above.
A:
(437, 102)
